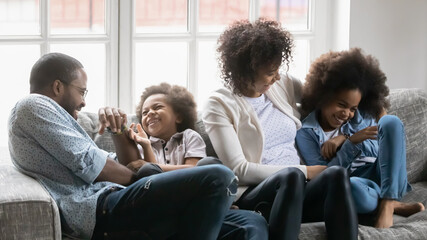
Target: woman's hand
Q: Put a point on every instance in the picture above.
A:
(329, 148)
(313, 171)
(367, 133)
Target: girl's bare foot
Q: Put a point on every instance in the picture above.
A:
(388, 207)
(407, 209)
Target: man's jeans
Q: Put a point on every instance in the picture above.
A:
(182, 204)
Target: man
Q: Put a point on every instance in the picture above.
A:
(47, 143)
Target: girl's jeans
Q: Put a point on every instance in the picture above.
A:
(386, 177)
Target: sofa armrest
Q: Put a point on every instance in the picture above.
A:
(26, 209)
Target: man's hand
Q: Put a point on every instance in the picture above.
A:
(329, 148)
(111, 117)
(117, 173)
(362, 135)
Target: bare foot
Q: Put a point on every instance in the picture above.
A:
(388, 207)
(385, 214)
(407, 209)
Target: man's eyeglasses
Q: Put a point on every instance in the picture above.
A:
(82, 91)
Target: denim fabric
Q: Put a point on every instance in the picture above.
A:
(388, 171)
(182, 204)
(365, 194)
(148, 169)
(385, 178)
(391, 161)
(208, 161)
(243, 225)
(310, 138)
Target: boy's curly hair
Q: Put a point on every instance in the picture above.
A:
(180, 99)
(245, 47)
(335, 71)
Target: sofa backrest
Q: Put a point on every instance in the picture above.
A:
(410, 105)
(90, 123)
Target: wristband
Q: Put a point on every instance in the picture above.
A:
(124, 128)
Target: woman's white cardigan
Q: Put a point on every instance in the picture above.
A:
(235, 131)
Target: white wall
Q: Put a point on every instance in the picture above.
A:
(395, 32)
(340, 25)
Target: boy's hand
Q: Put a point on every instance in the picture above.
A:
(139, 137)
(367, 133)
(136, 165)
(329, 148)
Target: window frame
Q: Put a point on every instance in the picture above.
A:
(316, 35)
(110, 39)
(120, 39)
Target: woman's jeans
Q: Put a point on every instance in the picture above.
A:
(182, 204)
(386, 177)
(286, 200)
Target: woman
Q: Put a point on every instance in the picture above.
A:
(252, 124)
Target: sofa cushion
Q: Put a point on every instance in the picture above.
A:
(200, 128)
(418, 193)
(410, 105)
(412, 227)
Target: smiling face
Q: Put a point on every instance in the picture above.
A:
(340, 109)
(73, 99)
(265, 77)
(158, 118)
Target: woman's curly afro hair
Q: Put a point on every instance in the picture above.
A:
(179, 98)
(346, 70)
(245, 47)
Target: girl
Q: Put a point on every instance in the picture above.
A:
(348, 126)
(252, 124)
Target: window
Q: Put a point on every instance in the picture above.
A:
(82, 29)
(126, 46)
(175, 40)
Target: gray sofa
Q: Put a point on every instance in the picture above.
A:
(28, 212)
